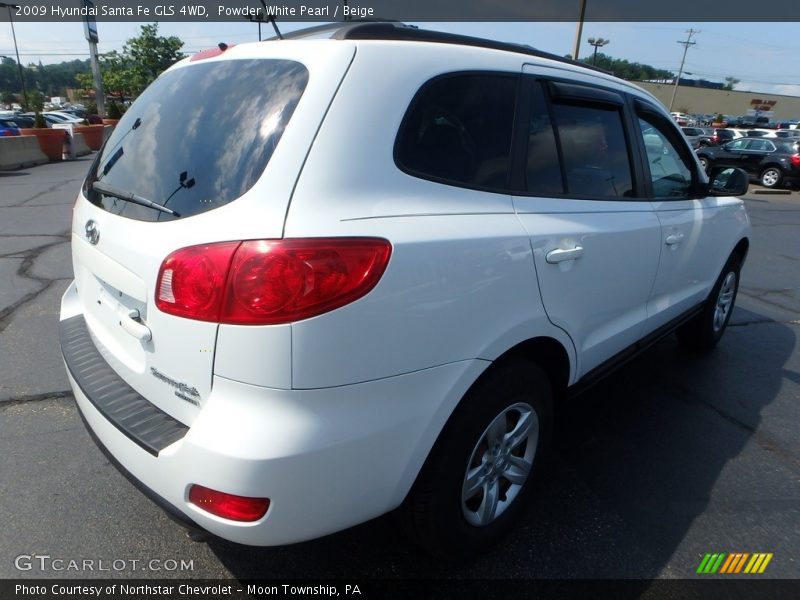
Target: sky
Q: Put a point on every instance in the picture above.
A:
(762, 55)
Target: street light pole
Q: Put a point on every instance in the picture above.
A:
(597, 43)
(16, 51)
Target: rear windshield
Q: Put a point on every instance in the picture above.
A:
(198, 137)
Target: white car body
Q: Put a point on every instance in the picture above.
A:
(63, 117)
(333, 417)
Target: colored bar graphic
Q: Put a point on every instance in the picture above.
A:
(718, 563)
(734, 563)
(765, 563)
(732, 559)
(752, 564)
(741, 563)
(704, 563)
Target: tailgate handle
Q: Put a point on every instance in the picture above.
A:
(132, 323)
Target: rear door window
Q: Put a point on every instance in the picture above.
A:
(594, 150)
(198, 137)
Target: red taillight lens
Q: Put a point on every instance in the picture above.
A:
(269, 281)
(191, 282)
(795, 160)
(715, 139)
(228, 506)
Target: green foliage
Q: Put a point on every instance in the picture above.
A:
(52, 80)
(39, 122)
(34, 100)
(730, 83)
(114, 111)
(626, 69)
(126, 74)
(91, 108)
(720, 118)
(151, 54)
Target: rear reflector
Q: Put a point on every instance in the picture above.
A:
(796, 160)
(267, 282)
(228, 506)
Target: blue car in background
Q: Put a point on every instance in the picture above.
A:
(8, 128)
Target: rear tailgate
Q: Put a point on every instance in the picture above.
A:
(195, 141)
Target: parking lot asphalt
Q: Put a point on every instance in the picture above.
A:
(674, 456)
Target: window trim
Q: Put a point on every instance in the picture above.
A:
(507, 189)
(582, 95)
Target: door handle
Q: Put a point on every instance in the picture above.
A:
(130, 321)
(560, 254)
(674, 238)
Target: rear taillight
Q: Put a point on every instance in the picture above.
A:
(228, 506)
(795, 160)
(191, 282)
(715, 140)
(266, 282)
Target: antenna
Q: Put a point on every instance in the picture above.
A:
(271, 19)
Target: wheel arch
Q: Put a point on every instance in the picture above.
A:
(550, 355)
(742, 248)
(547, 352)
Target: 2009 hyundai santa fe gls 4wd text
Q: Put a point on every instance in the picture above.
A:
(324, 277)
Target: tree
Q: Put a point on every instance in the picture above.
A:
(150, 54)
(730, 83)
(143, 58)
(626, 69)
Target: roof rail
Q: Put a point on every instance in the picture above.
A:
(380, 29)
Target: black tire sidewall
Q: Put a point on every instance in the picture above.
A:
(516, 381)
(732, 266)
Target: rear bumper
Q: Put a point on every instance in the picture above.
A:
(326, 458)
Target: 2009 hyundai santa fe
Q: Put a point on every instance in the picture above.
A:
(324, 277)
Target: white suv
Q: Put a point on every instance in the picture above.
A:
(321, 278)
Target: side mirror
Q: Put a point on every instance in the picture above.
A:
(727, 181)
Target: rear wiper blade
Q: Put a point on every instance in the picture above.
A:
(110, 190)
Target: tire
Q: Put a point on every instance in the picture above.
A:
(703, 163)
(771, 177)
(479, 474)
(704, 331)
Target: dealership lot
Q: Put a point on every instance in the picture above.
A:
(673, 457)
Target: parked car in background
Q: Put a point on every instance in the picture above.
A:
(771, 162)
(784, 134)
(681, 118)
(699, 136)
(722, 135)
(757, 132)
(18, 118)
(8, 127)
(62, 117)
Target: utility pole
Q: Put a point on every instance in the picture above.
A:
(686, 45)
(579, 31)
(24, 102)
(90, 31)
